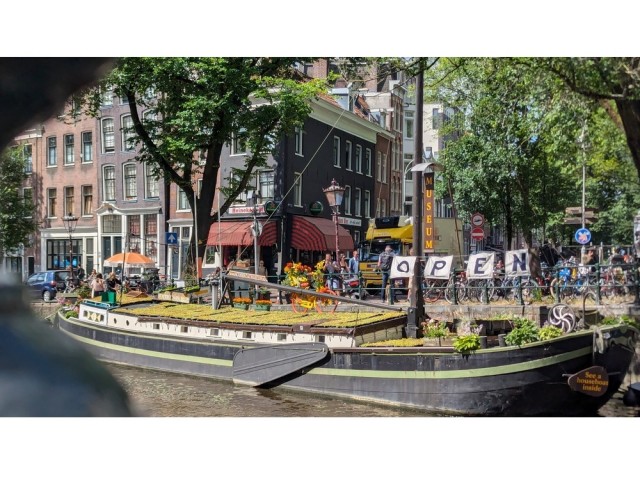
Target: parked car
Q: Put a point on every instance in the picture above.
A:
(47, 284)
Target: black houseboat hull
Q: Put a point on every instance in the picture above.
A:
(528, 380)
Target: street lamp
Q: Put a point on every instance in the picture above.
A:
(253, 199)
(70, 223)
(335, 194)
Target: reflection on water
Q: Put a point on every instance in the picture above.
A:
(161, 394)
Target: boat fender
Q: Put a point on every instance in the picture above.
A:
(598, 341)
(631, 397)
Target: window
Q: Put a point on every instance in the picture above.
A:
(384, 168)
(27, 152)
(239, 143)
(367, 162)
(68, 201)
(358, 158)
(108, 136)
(347, 200)
(348, 158)
(297, 189)
(130, 182)
(87, 200)
(242, 196)
(109, 179)
(68, 150)
(266, 184)
(27, 195)
(183, 204)
(379, 167)
(111, 224)
(52, 157)
(383, 207)
(51, 201)
(133, 231)
(408, 174)
(151, 234)
(152, 188)
(127, 133)
(408, 129)
(87, 147)
(336, 152)
(357, 198)
(367, 204)
(298, 137)
(107, 97)
(436, 120)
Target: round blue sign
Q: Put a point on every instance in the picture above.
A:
(583, 236)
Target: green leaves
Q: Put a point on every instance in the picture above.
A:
(16, 211)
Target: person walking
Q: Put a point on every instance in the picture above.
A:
(385, 260)
(354, 263)
(331, 270)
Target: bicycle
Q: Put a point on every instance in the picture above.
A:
(302, 303)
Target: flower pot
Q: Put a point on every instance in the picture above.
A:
(241, 306)
(262, 307)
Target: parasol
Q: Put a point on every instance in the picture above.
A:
(132, 259)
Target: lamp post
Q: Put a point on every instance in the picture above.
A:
(70, 223)
(335, 195)
(582, 143)
(253, 198)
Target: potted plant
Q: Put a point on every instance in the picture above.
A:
(467, 343)
(263, 305)
(296, 275)
(241, 302)
(264, 294)
(434, 333)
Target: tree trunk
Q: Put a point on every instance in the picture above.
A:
(630, 114)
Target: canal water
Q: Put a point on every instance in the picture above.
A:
(160, 394)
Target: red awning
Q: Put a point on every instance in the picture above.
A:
(233, 233)
(318, 234)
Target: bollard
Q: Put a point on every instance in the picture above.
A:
(214, 294)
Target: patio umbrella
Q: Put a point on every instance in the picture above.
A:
(131, 259)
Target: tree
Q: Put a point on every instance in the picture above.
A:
(193, 106)
(612, 81)
(16, 212)
(563, 100)
(514, 153)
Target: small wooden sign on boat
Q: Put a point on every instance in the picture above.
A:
(592, 381)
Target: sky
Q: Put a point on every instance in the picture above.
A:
(348, 28)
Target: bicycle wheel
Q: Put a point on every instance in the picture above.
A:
(431, 291)
(460, 293)
(299, 304)
(326, 305)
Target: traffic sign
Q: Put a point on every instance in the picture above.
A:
(253, 229)
(583, 236)
(477, 234)
(171, 238)
(477, 220)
